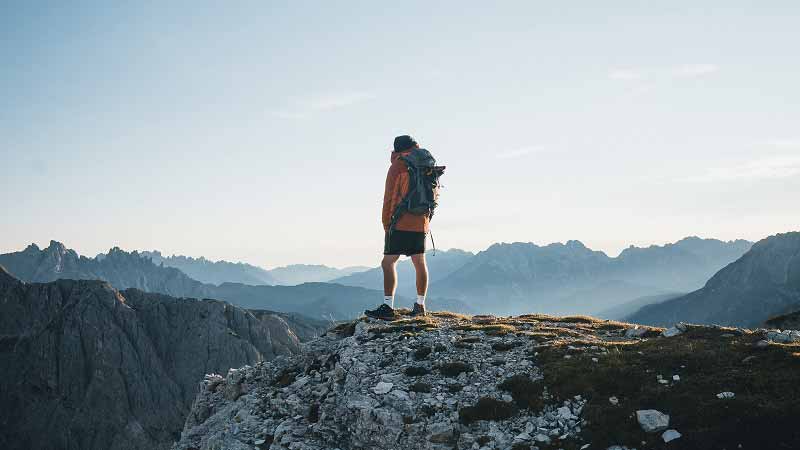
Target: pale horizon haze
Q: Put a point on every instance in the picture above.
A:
(261, 131)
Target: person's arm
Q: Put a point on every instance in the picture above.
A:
(394, 191)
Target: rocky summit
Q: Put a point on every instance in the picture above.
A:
(448, 381)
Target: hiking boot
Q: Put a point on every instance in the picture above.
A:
(383, 312)
(419, 310)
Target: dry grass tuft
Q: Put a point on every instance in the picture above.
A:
(449, 315)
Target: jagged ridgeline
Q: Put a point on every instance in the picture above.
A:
(123, 270)
(760, 285)
(448, 381)
(84, 366)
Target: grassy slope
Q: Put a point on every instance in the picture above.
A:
(708, 360)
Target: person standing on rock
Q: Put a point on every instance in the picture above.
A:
(409, 198)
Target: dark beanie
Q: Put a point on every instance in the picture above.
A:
(404, 142)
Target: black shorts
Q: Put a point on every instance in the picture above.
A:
(404, 243)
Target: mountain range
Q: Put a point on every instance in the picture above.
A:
(557, 278)
(571, 278)
(763, 283)
(84, 366)
(218, 272)
(125, 270)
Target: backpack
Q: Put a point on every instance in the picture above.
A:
(423, 186)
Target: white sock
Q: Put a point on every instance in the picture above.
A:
(389, 300)
(421, 299)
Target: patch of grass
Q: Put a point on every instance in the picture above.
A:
(416, 371)
(422, 352)
(414, 321)
(487, 408)
(504, 346)
(410, 328)
(526, 392)
(453, 369)
(449, 315)
(767, 393)
(440, 347)
(493, 329)
(420, 387)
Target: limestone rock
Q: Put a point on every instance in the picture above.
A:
(670, 435)
(651, 420)
(96, 368)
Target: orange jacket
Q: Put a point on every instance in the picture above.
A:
(396, 189)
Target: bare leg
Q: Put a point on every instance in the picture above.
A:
(389, 266)
(422, 273)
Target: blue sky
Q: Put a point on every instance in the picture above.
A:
(260, 131)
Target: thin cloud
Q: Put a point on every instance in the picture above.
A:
(306, 107)
(625, 74)
(631, 74)
(519, 152)
(759, 169)
(694, 70)
(289, 115)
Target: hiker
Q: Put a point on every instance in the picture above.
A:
(408, 201)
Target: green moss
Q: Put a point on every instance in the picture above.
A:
(313, 413)
(487, 408)
(453, 369)
(420, 387)
(416, 371)
(767, 390)
(422, 352)
(504, 346)
(526, 392)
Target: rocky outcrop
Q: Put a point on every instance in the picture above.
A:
(763, 283)
(485, 383)
(84, 366)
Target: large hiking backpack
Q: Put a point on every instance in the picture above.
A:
(423, 185)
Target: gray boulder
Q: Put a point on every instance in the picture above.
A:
(652, 421)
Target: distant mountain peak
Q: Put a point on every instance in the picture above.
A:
(765, 281)
(573, 243)
(56, 247)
